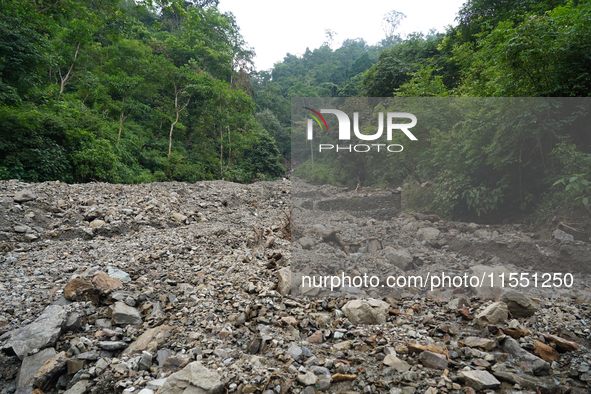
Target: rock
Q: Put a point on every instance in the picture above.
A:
(78, 388)
(73, 322)
(105, 283)
(296, 352)
(162, 355)
(145, 361)
(194, 378)
(534, 363)
(496, 312)
(316, 338)
(74, 366)
(92, 356)
(489, 290)
(175, 363)
(545, 352)
(366, 312)
(418, 348)
(392, 361)
(290, 320)
(400, 258)
(97, 223)
(151, 338)
(465, 313)
(525, 381)
(427, 234)
(341, 377)
(155, 384)
(307, 379)
(21, 229)
(29, 368)
(433, 360)
(562, 345)
(324, 382)
(43, 332)
(284, 278)
(24, 196)
(519, 304)
(306, 242)
(322, 320)
(112, 345)
(118, 274)
(47, 375)
(178, 217)
(562, 236)
(123, 314)
(479, 380)
(345, 345)
(79, 289)
(319, 370)
(483, 343)
(458, 303)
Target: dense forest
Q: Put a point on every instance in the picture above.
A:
(130, 92)
(158, 90)
(518, 48)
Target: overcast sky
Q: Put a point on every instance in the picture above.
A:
(274, 28)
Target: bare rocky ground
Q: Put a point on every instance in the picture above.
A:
(188, 288)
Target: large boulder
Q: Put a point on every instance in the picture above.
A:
(519, 304)
(401, 258)
(150, 339)
(530, 361)
(29, 368)
(496, 312)
(427, 234)
(491, 287)
(123, 314)
(42, 333)
(24, 196)
(366, 312)
(194, 378)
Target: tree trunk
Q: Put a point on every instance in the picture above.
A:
(222, 153)
(170, 135)
(121, 120)
(64, 79)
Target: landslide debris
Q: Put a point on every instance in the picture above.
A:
(177, 288)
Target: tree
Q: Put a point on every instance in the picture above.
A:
(180, 87)
(390, 23)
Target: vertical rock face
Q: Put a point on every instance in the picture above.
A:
(43, 332)
(194, 378)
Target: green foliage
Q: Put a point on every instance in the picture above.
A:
(98, 163)
(483, 200)
(124, 91)
(574, 189)
(320, 172)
